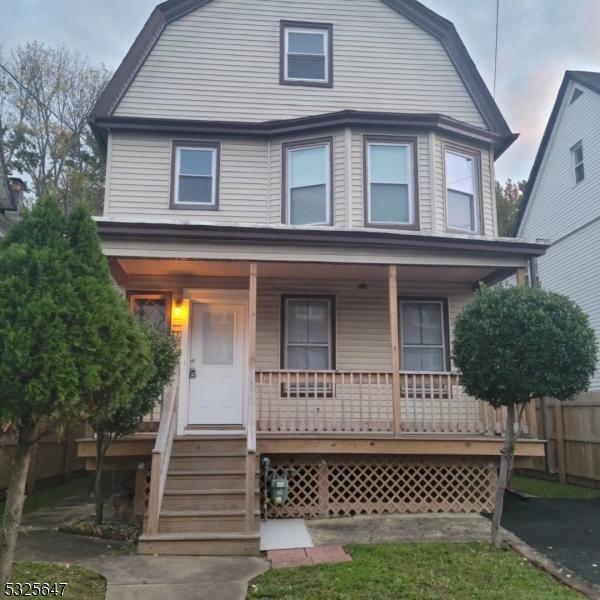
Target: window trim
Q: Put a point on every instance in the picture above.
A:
(216, 173)
(413, 181)
(325, 27)
(283, 326)
(575, 164)
(478, 187)
(132, 295)
(443, 301)
(285, 196)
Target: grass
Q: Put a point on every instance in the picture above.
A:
(81, 583)
(414, 572)
(51, 496)
(550, 489)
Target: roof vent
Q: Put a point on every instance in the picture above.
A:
(576, 93)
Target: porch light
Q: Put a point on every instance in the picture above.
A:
(178, 314)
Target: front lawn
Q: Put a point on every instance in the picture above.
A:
(543, 488)
(82, 584)
(414, 572)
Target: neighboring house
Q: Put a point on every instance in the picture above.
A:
(562, 201)
(305, 192)
(9, 198)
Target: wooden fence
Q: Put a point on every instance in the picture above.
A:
(573, 433)
(52, 460)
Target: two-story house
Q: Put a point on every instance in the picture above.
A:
(305, 191)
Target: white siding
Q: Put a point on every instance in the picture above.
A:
(221, 62)
(559, 208)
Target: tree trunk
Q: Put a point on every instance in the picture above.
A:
(13, 510)
(506, 460)
(98, 492)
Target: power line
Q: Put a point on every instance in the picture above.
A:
(496, 47)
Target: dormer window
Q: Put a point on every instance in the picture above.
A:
(195, 175)
(306, 54)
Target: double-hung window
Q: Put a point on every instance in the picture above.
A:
(462, 203)
(390, 193)
(577, 158)
(307, 191)
(306, 53)
(308, 333)
(195, 176)
(423, 335)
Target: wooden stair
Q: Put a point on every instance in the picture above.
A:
(204, 504)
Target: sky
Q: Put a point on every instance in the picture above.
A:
(538, 41)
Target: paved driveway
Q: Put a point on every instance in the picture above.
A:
(567, 531)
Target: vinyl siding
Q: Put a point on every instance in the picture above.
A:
(559, 208)
(221, 62)
(138, 180)
(362, 319)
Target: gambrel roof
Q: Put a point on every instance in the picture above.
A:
(588, 79)
(437, 26)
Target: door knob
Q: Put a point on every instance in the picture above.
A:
(192, 373)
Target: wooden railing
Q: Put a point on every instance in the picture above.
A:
(161, 454)
(362, 402)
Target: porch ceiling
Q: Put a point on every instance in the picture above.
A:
(133, 268)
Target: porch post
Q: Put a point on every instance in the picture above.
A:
(393, 301)
(251, 413)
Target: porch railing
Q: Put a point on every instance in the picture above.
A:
(161, 454)
(362, 402)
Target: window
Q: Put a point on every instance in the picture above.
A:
(423, 335)
(461, 192)
(389, 188)
(195, 176)
(577, 154)
(576, 94)
(308, 333)
(306, 54)
(307, 183)
(151, 307)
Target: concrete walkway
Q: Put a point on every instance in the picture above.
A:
(128, 576)
(177, 577)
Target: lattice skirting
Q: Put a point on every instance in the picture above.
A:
(337, 486)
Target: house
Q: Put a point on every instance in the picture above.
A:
(566, 173)
(10, 193)
(304, 192)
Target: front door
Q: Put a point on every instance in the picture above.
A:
(217, 365)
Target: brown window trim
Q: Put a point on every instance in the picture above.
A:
(413, 141)
(284, 168)
(445, 323)
(332, 324)
(194, 144)
(306, 25)
(133, 294)
(476, 155)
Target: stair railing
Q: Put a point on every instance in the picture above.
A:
(161, 454)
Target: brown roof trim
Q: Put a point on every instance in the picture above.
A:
(437, 26)
(279, 127)
(587, 79)
(292, 236)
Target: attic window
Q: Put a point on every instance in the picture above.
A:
(306, 54)
(576, 93)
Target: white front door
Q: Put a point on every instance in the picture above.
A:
(217, 364)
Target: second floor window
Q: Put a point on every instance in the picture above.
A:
(577, 157)
(195, 176)
(306, 53)
(389, 193)
(307, 183)
(462, 206)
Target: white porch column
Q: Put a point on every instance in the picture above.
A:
(393, 302)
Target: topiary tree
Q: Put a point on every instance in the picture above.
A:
(115, 419)
(115, 361)
(39, 347)
(513, 344)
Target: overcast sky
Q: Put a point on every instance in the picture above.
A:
(539, 40)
